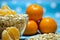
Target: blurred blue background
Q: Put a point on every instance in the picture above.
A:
(51, 7)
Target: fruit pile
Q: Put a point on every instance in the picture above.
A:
(37, 22)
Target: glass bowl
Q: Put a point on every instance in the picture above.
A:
(18, 20)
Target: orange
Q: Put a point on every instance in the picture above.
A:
(5, 10)
(47, 25)
(2, 12)
(35, 12)
(5, 35)
(31, 28)
(11, 33)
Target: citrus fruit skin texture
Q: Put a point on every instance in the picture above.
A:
(11, 33)
(47, 25)
(5, 35)
(31, 28)
(5, 10)
(35, 12)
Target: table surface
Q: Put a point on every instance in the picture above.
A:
(27, 37)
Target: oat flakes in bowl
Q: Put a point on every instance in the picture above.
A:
(18, 21)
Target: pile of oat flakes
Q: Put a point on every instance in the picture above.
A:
(50, 36)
